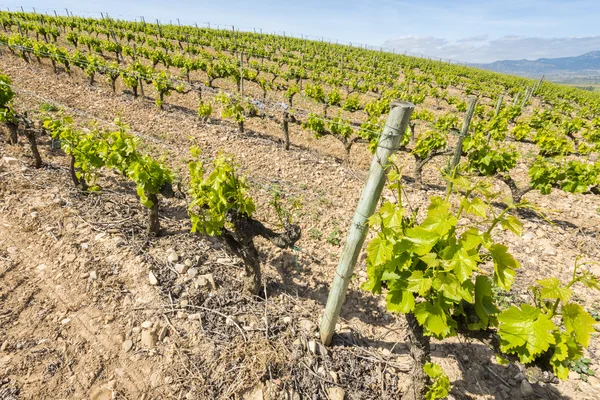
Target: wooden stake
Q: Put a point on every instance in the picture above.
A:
(463, 133)
(390, 139)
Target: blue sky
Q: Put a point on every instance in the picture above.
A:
(463, 30)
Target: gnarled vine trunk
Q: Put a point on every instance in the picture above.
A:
(286, 131)
(12, 132)
(420, 352)
(30, 134)
(241, 242)
(153, 220)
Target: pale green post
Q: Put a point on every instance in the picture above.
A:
(390, 139)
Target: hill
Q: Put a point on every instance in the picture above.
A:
(582, 69)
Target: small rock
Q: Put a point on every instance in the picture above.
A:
(148, 339)
(152, 279)
(334, 376)
(188, 263)
(127, 345)
(4, 346)
(162, 334)
(206, 280)
(41, 267)
(526, 388)
(527, 236)
(119, 241)
(65, 321)
(146, 324)
(10, 161)
(84, 275)
(181, 268)
(519, 377)
(336, 393)
(34, 214)
(386, 353)
(192, 272)
(307, 325)
(93, 275)
(172, 257)
(287, 320)
(316, 348)
(101, 394)
(540, 233)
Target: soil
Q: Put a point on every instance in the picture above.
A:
(80, 316)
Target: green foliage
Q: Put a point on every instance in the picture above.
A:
(487, 160)
(315, 124)
(84, 147)
(352, 103)
(337, 126)
(232, 107)
(430, 268)
(553, 325)
(440, 387)
(583, 368)
(429, 142)
(204, 110)
(215, 194)
(315, 92)
(150, 177)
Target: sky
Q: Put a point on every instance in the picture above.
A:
(461, 30)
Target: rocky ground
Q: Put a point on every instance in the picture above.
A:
(91, 307)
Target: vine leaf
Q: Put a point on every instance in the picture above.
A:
(553, 289)
(578, 322)
(526, 330)
(504, 266)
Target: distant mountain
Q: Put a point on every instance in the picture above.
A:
(580, 69)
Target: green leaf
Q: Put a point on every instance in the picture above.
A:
(448, 285)
(421, 240)
(379, 251)
(526, 332)
(484, 300)
(470, 239)
(513, 224)
(578, 322)
(400, 301)
(440, 388)
(553, 289)
(418, 284)
(439, 218)
(463, 264)
(476, 207)
(504, 266)
(433, 318)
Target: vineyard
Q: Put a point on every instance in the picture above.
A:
(175, 200)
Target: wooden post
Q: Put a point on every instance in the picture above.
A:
(516, 101)
(67, 10)
(390, 139)
(242, 74)
(463, 133)
(499, 105)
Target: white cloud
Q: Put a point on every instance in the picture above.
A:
(479, 49)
